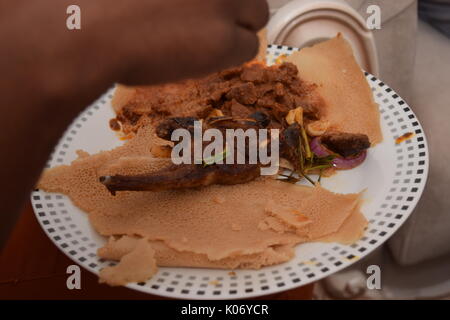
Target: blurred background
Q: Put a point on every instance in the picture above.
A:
(410, 51)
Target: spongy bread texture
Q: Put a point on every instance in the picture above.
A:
(349, 104)
(242, 226)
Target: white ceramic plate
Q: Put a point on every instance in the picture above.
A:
(394, 175)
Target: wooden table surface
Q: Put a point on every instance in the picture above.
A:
(32, 267)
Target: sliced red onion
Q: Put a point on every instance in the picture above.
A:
(339, 162)
(350, 162)
(318, 148)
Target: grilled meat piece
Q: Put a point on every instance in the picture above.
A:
(345, 144)
(182, 177)
(274, 90)
(289, 144)
(257, 120)
(194, 175)
(167, 127)
(198, 175)
(243, 93)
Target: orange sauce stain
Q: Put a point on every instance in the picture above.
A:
(127, 137)
(404, 137)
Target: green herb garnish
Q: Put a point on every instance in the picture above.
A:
(308, 161)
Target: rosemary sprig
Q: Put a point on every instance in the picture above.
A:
(308, 161)
(289, 179)
(305, 155)
(319, 167)
(309, 179)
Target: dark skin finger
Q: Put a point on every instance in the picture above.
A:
(252, 14)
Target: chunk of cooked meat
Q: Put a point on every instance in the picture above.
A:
(165, 129)
(255, 120)
(194, 175)
(183, 176)
(244, 93)
(199, 175)
(274, 90)
(289, 144)
(345, 144)
(238, 110)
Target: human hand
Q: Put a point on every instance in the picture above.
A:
(49, 73)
